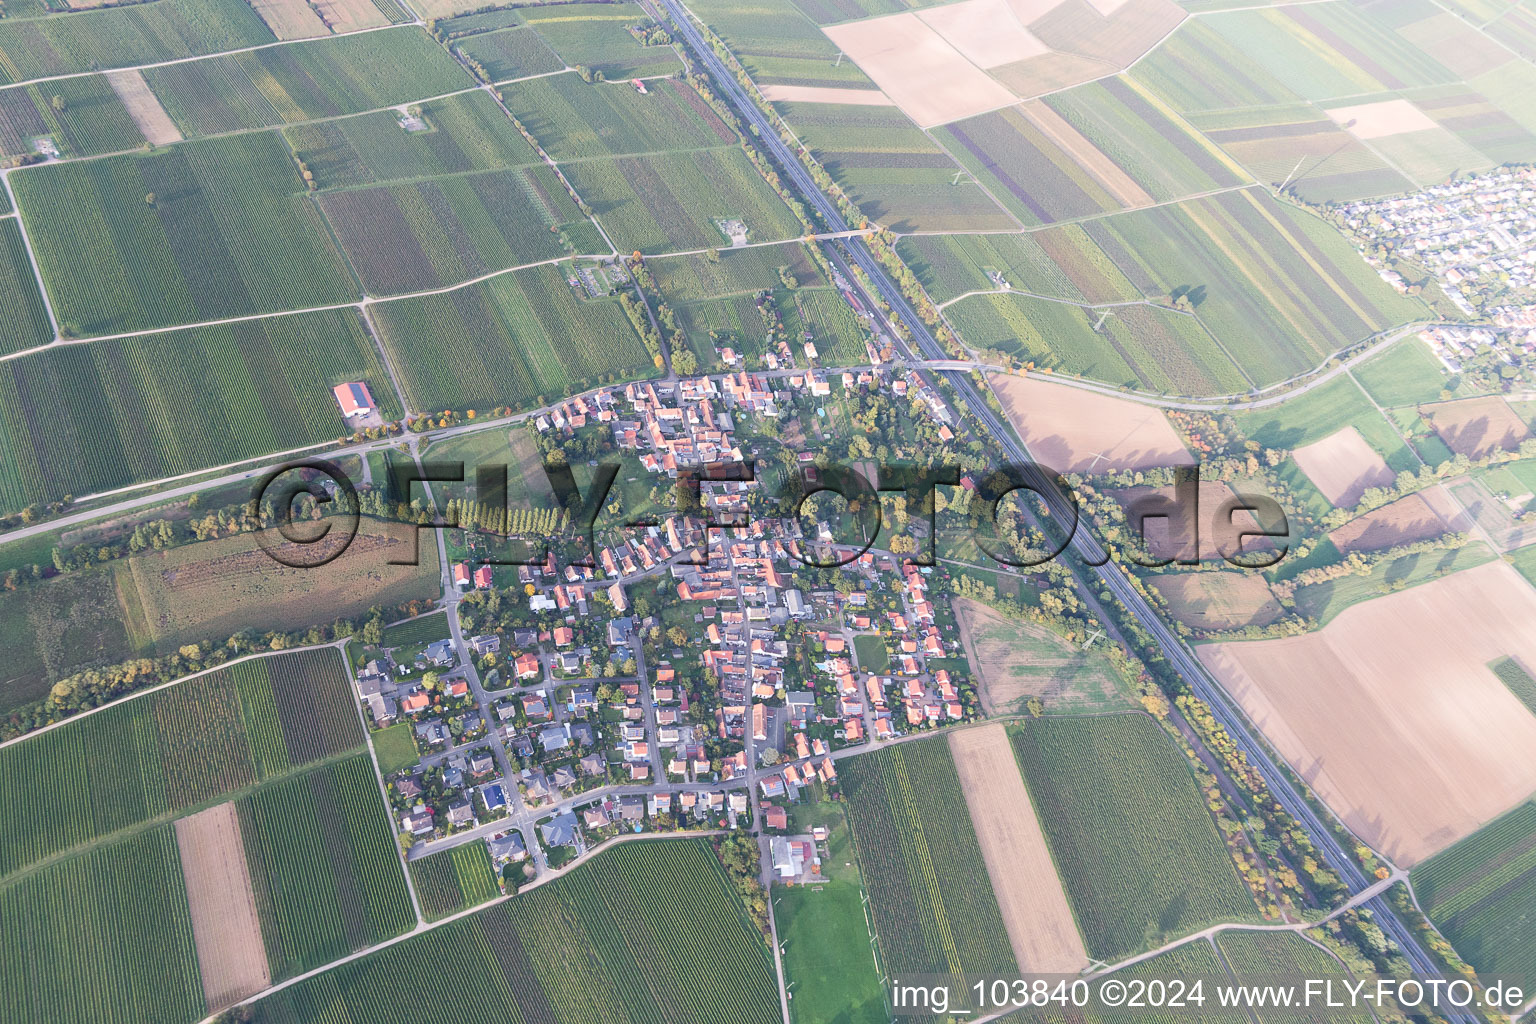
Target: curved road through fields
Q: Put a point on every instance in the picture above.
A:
(1083, 543)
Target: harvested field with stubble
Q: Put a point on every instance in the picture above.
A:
(1400, 522)
(1015, 660)
(214, 589)
(1402, 680)
(1218, 600)
(1205, 533)
(1476, 427)
(927, 77)
(144, 107)
(230, 954)
(1343, 466)
(1076, 431)
(1029, 893)
(290, 19)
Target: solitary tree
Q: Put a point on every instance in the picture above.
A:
(150, 198)
(58, 104)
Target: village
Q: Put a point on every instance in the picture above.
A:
(1476, 236)
(693, 676)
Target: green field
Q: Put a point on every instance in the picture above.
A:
(1324, 410)
(92, 119)
(872, 654)
(126, 36)
(573, 120)
(738, 271)
(105, 936)
(949, 266)
(894, 173)
(673, 201)
(1326, 50)
(454, 880)
(324, 866)
(1148, 348)
(1519, 681)
(228, 233)
(596, 36)
(1405, 374)
(395, 748)
(1480, 891)
(422, 630)
(23, 318)
(518, 340)
(1021, 166)
(410, 238)
(56, 627)
(1190, 962)
(1298, 146)
(645, 931)
(1279, 287)
(466, 133)
(514, 53)
(171, 751)
(304, 81)
(778, 45)
(1159, 154)
(1198, 68)
(1139, 856)
(828, 955)
(1322, 601)
(1261, 958)
(933, 906)
(85, 418)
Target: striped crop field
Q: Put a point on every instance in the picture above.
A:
(1322, 51)
(596, 35)
(105, 936)
(898, 176)
(675, 201)
(1279, 288)
(1140, 858)
(78, 419)
(573, 120)
(647, 932)
(171, 751)
(517, 340)
(1302, 148)
(453, 880)
(89, 119)
(118, 37)
(1479, 893)
(469, 132)
(303, 81)
(1132, 128)
(1035, 178)
(199, 231)
(934, 908)
(416, 237)
(324, 866)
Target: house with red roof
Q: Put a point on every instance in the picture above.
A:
(354, 399)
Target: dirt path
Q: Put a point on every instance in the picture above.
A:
(1029, 893)
(230, 953)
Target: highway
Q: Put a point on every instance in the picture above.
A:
(1083, 543)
